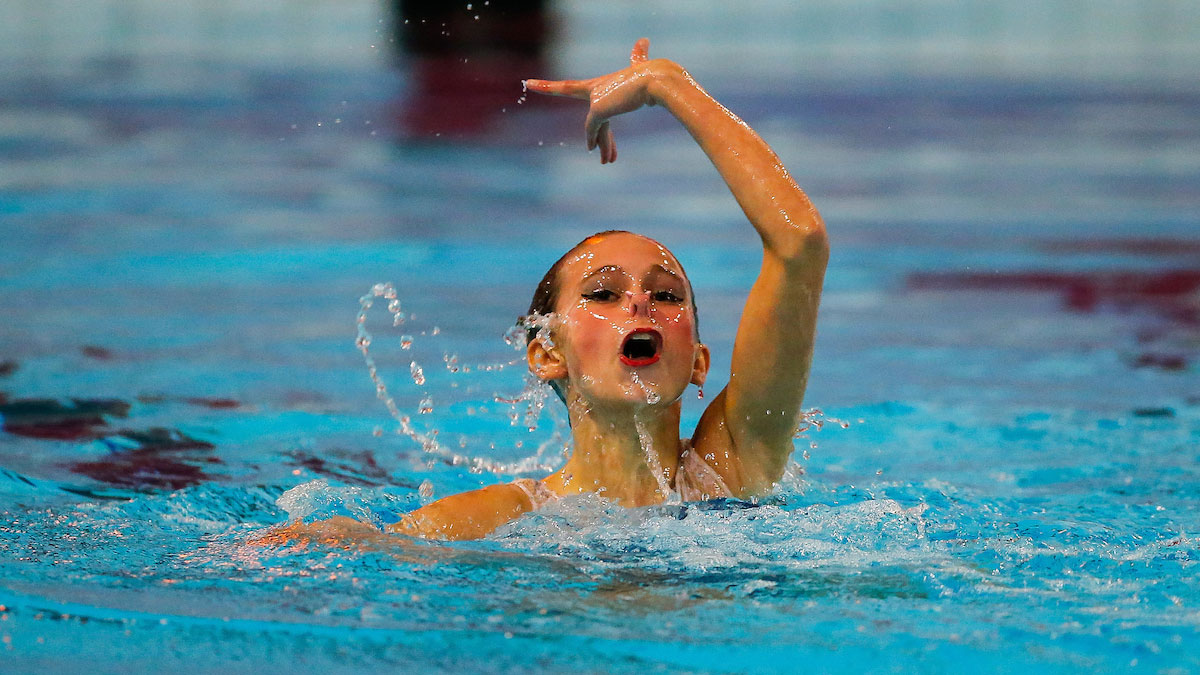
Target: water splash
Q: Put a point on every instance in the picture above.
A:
(425, 489)
(656, 468)
(813, 420)
(545, 325)
(524, 408)
(652, 397)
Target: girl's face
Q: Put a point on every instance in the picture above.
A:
(625, 327)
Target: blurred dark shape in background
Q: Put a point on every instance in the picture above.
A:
(466, 61)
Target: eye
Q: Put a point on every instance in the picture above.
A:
(602, 295)
(667, 296)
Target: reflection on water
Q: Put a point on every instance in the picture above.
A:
(465, 62)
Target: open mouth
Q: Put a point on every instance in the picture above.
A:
(641, 347)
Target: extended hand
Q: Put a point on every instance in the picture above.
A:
(610, 95)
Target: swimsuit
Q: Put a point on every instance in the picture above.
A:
(695, 481)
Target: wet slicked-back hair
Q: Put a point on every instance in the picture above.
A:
(545, 296)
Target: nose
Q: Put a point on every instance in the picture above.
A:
(639, 304)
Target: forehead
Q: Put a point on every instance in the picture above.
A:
(634, 254)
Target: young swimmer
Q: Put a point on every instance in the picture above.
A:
(620, 345)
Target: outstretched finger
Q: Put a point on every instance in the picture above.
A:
(592, 126)
(641, 51)
(572, 88)
(608, 144)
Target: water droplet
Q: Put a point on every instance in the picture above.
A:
(425, 489)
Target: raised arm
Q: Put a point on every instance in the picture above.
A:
(748, 427)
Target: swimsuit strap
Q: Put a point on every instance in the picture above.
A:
(539, 495)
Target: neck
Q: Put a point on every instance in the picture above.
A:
(626, 454)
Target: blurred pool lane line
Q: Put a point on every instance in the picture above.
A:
(1144, 41)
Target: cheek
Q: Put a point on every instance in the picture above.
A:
(677, 323)
(591, 333)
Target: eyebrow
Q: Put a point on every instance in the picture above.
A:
(617, 268)
(604, 270)
(664, 270)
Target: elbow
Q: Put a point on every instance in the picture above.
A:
(816, 243)
(804, 244)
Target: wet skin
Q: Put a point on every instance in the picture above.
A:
(610, 288)
(625, 411)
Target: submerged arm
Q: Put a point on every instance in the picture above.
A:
(748, 428)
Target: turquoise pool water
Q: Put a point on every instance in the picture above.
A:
(1005, 475)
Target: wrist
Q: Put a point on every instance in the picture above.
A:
(666, 79)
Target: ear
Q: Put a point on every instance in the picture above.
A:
(700, 365)
(547, 364)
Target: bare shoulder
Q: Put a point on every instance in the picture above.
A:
(468, 515)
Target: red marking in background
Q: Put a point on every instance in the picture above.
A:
(464, 67)
(97, 353)
(1170, 293)
(356, 467)
(204, 401)
(159, 459)
(143, 471)
(1171, 362)
(214, 403)
(456, 99)
(1173, 295)
(1144, 247)
(70, 420)
(77, 429)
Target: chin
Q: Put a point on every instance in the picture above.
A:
(646, 393)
